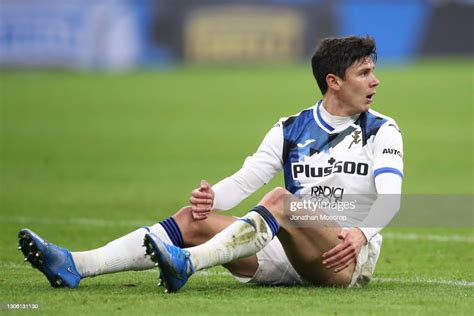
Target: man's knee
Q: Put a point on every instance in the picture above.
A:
(342, 279)
(190, 228)
(196, 232)
(275, 201)
(184, 216)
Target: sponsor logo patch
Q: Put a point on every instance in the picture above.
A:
(302, 171)
(306, 143)
(327, 193)
(391, 151)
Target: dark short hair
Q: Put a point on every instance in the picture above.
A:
(334, 55)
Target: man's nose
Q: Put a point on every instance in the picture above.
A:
(375, 82)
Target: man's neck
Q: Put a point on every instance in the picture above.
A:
(337, 122)
(334, 106)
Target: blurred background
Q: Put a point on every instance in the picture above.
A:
(126, 34)
(112, 111)
(124, 105)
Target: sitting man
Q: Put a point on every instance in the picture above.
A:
(337, 145)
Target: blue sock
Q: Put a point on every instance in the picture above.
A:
(173, 231)
(268, 217)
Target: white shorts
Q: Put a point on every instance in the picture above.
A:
(274, 268)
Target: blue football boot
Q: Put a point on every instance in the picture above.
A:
(54, 262)
(174, 263)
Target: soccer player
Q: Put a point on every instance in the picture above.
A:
(334, 149)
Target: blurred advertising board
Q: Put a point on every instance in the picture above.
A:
(243, 33)
(109, 34)
(210, 31)
(124, 34)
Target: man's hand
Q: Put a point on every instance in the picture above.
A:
(202, 200)
(341, 256)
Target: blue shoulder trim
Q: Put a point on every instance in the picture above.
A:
(387, 170)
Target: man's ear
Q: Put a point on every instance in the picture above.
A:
(333, 81)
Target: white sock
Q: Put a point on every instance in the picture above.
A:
(123, 254)
(241, 239)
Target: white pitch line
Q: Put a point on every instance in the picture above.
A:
(422, 281)
(425, 281)
(140, 223)
(73, 221)
(428, 237)
(207, 273)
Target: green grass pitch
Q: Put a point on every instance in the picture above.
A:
(88, 157)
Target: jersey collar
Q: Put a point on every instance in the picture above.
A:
(319, 119)
(335, 123)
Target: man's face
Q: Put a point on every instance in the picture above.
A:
(357, 90)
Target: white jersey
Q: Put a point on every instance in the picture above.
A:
(319, 159)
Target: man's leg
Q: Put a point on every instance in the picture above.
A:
(123, 254)
(65, 269)
(127, 252)
(197, 232)
(181, 230)
(248, 235)
(304, 246)
(243, 238)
